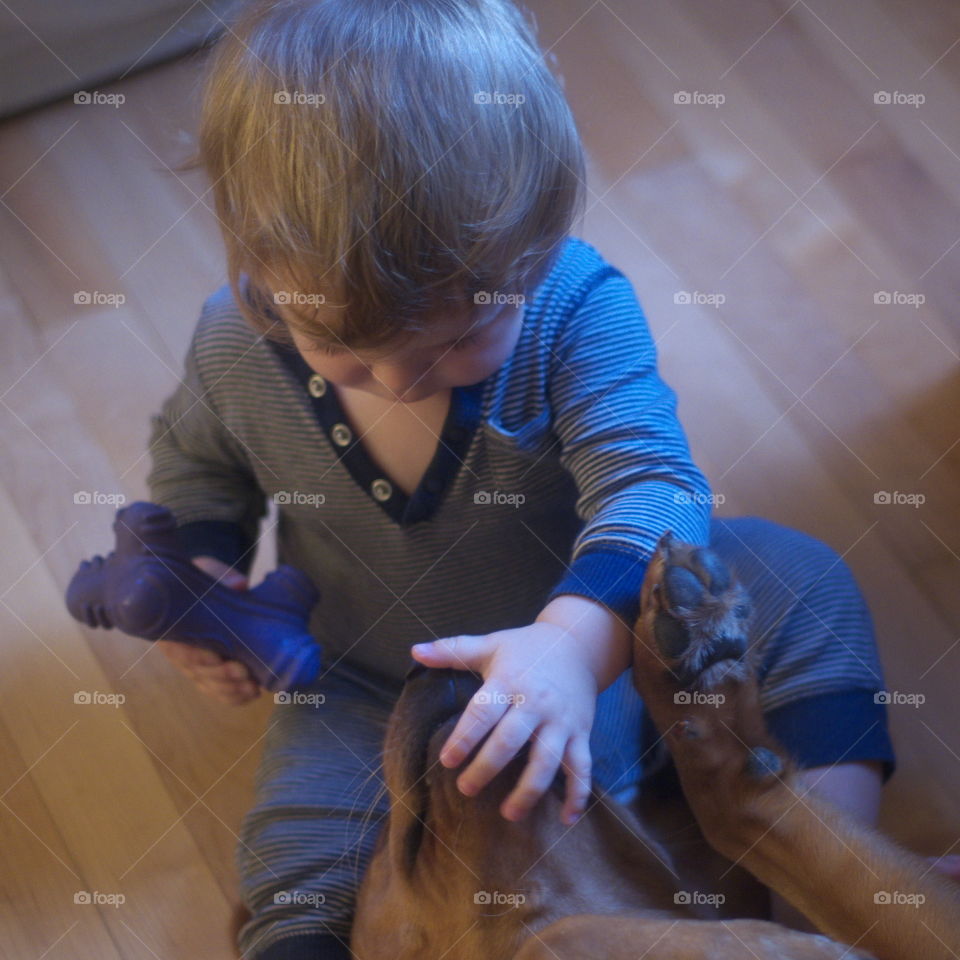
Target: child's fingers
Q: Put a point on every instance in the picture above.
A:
(221, 572)
(485, 709)
(546, 753)
(577, 764)
(228, 681)
(230, 692)
(228, 672)
(186, 656)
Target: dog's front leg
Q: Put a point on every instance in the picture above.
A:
(692, 668)
(606, 937)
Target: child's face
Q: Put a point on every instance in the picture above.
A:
(455, 350)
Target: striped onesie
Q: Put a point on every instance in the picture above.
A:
(556, 474)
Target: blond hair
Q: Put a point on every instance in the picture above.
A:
(386, 158)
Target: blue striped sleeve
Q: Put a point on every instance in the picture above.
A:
(610, 577)
(623, 444)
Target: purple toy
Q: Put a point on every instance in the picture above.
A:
(148, 587)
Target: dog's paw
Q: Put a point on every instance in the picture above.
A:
(697, 613)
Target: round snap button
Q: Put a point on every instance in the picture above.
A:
(381, 489)
(317, 386)
(341, 434)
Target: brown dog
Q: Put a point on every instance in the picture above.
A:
(452, 879)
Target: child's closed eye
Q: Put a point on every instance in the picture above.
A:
(327, 348)
(331, 350)
(465, 342)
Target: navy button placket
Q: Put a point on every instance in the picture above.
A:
(455, 438)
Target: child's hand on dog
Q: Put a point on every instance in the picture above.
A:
(538, 687)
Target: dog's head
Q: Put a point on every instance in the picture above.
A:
(451, 873)
(426, 806)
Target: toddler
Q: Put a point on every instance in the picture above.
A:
(455, 405)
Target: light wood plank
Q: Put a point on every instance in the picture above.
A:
(681, 198)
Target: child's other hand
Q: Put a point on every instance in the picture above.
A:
(538, 687)
(228, 681)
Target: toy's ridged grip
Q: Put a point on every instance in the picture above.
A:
(148, 587)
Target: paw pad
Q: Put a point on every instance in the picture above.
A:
(701, 614)
(683, 588)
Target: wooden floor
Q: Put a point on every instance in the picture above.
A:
(798, 199)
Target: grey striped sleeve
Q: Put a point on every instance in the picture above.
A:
(201, 470)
